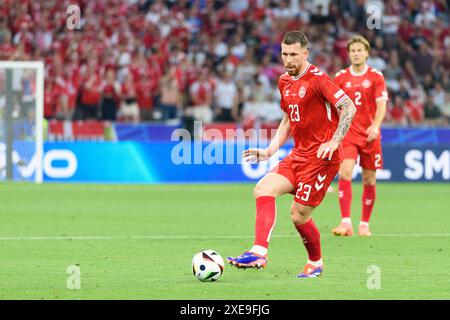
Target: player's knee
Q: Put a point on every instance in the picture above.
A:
(345, 174)
(298, 216)
(369, 179)
(263, 190)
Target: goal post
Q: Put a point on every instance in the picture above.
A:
(21, 120)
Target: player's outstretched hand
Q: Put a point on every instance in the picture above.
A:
(372, 133)
(255, 155)
(327, 148)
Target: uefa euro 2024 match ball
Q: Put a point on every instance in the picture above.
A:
(207, 265)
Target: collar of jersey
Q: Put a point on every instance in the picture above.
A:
(358, 73)
(303, 73)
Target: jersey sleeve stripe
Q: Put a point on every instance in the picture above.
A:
(339, 93)
(341, 100)
(384, 96)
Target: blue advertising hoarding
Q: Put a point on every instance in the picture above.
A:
(410, 154)
(173, 162)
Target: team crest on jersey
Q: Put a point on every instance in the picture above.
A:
(302, 92)
(366, 83)
(286, 93)
(348, 84)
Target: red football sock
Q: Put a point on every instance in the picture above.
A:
(345, 197)
(368, 200)
(311, 239)
(265, 220)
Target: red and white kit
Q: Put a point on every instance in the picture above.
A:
(310, 100)
(365, 89)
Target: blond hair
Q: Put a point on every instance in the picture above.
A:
(359, 39)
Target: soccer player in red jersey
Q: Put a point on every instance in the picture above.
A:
(366, 87)
(311, 101)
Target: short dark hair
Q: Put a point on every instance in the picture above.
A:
(293, 37)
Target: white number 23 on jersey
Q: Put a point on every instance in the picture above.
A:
(295, 114)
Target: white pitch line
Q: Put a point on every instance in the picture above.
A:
(408, 235)
(386, 235)
(127, 238)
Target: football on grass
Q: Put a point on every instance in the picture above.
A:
(207, 265)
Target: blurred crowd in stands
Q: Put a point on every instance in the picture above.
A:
(141, 60)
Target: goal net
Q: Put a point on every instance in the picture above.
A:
(21, 120)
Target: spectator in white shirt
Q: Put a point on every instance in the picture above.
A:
(226, 99)
(425, 16)
(438, 94)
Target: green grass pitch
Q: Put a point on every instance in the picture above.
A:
(137, 242)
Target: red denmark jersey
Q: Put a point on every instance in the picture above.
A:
(365, 89)
(310, 101)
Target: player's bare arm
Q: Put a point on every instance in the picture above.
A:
(280, 138)
(347, 113)
(374, 130)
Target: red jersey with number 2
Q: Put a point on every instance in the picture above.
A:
(310, 100)
(365, 89)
